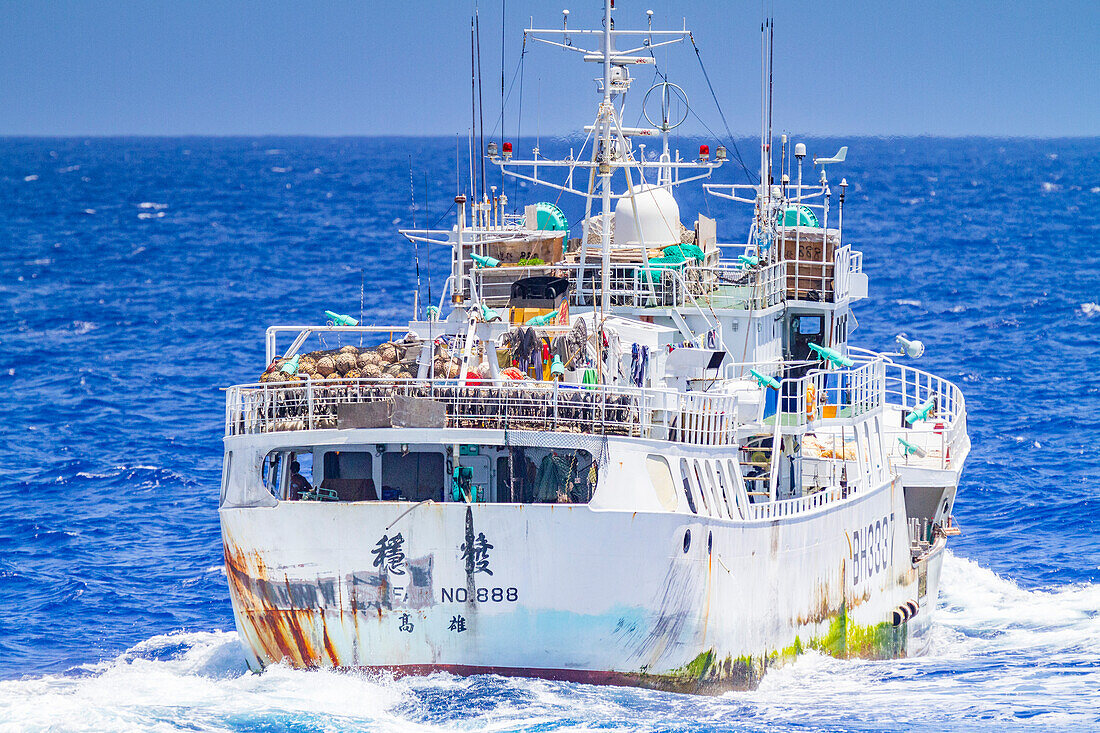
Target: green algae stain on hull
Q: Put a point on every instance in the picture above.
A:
(706, 674)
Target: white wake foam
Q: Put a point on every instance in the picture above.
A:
(1001, 657)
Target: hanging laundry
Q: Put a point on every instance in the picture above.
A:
(639, 364)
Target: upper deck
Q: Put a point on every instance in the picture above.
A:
(823, 402)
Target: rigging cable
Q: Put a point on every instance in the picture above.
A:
(428, 260)
(480, 103)
(416, 244)
(519, 113)
(736, 153)
(729, 134)
(499, 124)
(473, 112)
(503, 15)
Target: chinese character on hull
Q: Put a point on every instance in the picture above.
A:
(389, 554)
(476, 555)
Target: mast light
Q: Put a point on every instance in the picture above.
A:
(491, 148)
(720, 153)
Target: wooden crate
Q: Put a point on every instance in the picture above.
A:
(810, 255)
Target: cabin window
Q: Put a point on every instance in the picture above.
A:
(724, 495)
(716, 491)
(348, 475)
(840, 330)
(527, 475)
(273, 474)
(701, 487)
(805, 329)
(227, 467)
(663, 484)
(402, 472)
(729, 485)
(412, 476)
(687, 485)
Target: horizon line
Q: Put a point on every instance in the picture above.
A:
(544, 136)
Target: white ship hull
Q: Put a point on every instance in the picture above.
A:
(620, 452)
(575, 592)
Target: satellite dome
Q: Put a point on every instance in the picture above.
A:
(657, 221)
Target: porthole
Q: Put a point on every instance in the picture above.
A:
(710, 542)
(687, 539)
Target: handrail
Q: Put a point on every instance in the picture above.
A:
(685, 417)
(787, 507)
(633, 284)
(943, 436)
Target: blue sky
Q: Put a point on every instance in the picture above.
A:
(363, 68)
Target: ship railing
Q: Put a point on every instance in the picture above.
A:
(855, 265)
(631, 285)
(790, 507)
(823, 395)
(731, 286)
(685, 417)
(658, 286)
(842, 273)
(942, 436)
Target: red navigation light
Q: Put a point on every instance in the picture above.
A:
(507, 147)
(704, 152)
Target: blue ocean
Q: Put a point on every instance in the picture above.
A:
(137, 277)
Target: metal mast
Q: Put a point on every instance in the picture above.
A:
(606, 111)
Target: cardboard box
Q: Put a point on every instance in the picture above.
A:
(548, 249)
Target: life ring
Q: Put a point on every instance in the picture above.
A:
(811, 401)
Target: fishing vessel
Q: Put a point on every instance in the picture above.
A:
(621, 452)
